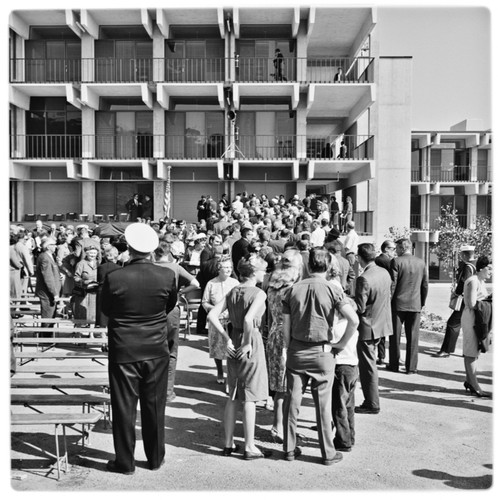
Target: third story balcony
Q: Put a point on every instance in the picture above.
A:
(451, 174)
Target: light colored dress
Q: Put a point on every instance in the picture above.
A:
(215, 291)
(85, 307)
(470, 341)
(247, 378)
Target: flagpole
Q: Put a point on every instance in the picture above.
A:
(167, 194)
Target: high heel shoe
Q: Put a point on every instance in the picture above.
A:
(475, 392)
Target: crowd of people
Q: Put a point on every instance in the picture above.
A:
(289, 297)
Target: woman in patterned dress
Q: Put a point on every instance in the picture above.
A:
(247, 376)
(216, 290)
(286, 274)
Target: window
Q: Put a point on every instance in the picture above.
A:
(53, 129)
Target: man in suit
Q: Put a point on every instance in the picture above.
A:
(137, 299)
(373, 299)
(388, 252)
(409, 290)
(239, 248)
(48, 280)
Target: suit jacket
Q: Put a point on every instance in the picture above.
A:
(137, 298)
(48, 279)
(373, 298)
(410, 283)
(384, 261)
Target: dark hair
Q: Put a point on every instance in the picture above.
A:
(303, 244)
(164, 248)
(334, 247)
(244, 231)
(482, 262)
(385, 245)
(319, 260)
(367, 252)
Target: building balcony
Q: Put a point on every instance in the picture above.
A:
(324, 150)
(178, 70)
(419, 222)
(454, 174)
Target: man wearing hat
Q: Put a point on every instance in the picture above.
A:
(465, 270)
(137, 299)
(48, 280)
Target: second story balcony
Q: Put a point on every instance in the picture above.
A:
(453, 174)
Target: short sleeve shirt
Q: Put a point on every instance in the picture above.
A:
(311, 304)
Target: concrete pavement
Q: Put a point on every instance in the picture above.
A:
(430, 436)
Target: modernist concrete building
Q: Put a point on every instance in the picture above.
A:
(449, 168)
(103, 102)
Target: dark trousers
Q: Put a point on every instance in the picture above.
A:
(381, 349)
(48, 309)
(201, 321)
(130, 382)
(367, 366)
(304, 365)
(173, 325)
(343, 404)
(411, 320)
(452, 331)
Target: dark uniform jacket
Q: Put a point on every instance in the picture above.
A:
(137, 299)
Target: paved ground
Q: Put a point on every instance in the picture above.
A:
(430, 435)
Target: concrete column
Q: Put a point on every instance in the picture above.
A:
(158, 199)
(471, 211)
(391, 128)
(88, 197)
(301, 189)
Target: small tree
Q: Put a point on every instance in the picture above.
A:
(395, 233)
(452, 236)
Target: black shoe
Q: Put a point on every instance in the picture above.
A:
(332, 461)
(112, 467)
(159, 466)
(380, 362)
(292, 455)
(441, 354)
(390, 368)
(366, 409)
(228, 451)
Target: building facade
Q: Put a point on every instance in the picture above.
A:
(107, 103)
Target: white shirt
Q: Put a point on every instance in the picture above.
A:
(317, 237)
(351, 241)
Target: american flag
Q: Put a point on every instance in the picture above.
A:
(167, 194)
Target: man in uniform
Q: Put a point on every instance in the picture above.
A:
(137, 299)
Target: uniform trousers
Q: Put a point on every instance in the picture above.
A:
(453, 327)
(306, 363)
(369, 377)
(48, 308)
(145, 381)
(411, 320)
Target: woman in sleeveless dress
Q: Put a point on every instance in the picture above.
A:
(247, 377)
(474, 290)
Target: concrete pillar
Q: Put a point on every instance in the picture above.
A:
(158, 199)
(88, 197)
(391, 128)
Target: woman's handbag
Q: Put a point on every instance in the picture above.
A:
(456, 301)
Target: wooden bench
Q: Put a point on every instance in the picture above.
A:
(58, 383)
(57, 420)
(87, 401)
(58, 341)
(64, 329)
(62, 367)
(30, 356)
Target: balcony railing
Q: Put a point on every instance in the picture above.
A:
(450, 174)
(484, 174)
(358, 147)
(416, 222)
(207, 69)
(190, 146)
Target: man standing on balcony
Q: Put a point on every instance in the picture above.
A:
(134, 208)
(465, 270)
(201, 208)
(278, 62)
(409, 291)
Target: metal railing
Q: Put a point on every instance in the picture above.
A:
(357, 147)
(484, 174)
(190, 146)
(416, 222)
(206, 69)
(450, 174)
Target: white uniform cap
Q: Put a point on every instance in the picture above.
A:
(141, 237)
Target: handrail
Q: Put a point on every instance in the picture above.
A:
(203, 70)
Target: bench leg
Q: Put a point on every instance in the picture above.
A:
(60, 459)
